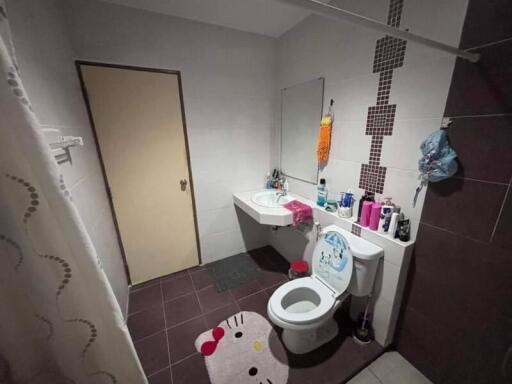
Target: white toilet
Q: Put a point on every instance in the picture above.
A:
(342, 264)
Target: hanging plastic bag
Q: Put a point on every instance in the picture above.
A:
(438, 161)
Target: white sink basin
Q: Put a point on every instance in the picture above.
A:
(270, 199)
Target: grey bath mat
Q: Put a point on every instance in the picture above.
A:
(232, 272)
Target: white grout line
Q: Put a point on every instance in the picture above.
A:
(165, 325)
(480, 181)
(159, 371)
(195, 292)
(501, 210)
(185, 358)
(374, 374)
(454, 233)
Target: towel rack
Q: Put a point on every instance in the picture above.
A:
(62, 145)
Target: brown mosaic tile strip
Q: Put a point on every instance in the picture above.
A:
(375, 150)
(356, 230)
(395, 12)
(384, 90)
(372, 178)
(380, 120)
(389, 53)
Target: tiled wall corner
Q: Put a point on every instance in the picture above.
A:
(461, 267)
(228, 91)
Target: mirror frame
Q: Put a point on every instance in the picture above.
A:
(315, 182)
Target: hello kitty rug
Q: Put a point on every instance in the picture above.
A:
(243, 349)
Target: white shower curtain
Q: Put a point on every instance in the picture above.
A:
(59, 320)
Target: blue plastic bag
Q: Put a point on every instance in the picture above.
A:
(438, 160)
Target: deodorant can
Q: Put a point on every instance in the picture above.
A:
(393, 224)
(385, 216)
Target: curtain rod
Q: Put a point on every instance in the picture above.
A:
(333, 12)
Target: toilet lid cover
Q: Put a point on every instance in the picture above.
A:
(332, 261)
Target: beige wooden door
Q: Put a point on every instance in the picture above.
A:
(137, 117)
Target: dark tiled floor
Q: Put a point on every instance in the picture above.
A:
(167, 314)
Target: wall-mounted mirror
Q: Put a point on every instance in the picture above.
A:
(301, 112)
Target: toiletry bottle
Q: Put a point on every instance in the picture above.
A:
(268, 183)
(375, 216)
(322, 193)
(385, 215)
(404, 229)
(393, 224)
(368, 196)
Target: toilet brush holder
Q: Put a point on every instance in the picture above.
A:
(363, 333)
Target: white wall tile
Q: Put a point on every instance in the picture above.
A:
(386, 281)
(401, 185)
(420, 91)
(349, 141)
(382, 313)
(412, 132)
(228, 86)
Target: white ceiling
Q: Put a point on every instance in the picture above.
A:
(266, 17)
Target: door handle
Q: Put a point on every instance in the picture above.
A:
(183, 184)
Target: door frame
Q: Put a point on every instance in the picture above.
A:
(78, 64)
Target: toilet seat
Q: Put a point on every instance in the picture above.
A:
(324, 295)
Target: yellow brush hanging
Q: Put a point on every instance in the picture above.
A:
(324, 136)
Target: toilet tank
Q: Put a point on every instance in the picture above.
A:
(366, 256)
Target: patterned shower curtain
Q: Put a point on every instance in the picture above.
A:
(59, 319)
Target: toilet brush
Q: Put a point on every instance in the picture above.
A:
(362, 333)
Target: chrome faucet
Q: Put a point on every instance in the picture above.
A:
(280, 194)
(283, 191)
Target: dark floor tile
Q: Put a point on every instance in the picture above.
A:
(271, 290)
(146, 284)
(483, 146)
(201, 279)
(181, 309)
(484, 87)
(334, 362)
(370, 351)
(177, 286)
(255, 303)
(182, 337)
(145, 298)
(175, 274)
(486, 21)
(268, 279)
(162, 377)
(153, 353)
(210, 299)
(246, 289)
(197, 268)
(191, 370)
(146, 322)
(214, 318)
(262, 259)
(466, 207)
(502, 236)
